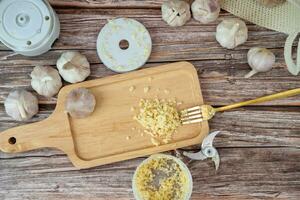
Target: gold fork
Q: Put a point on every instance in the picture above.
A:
(206, 112)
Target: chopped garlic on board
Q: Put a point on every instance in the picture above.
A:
(160, 119)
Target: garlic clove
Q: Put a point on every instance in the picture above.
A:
(73, 67)
(260, 60)
(80, 103)
(175, 12)
(205, 11)
(21, 105)
(231, 32)
(45, 81)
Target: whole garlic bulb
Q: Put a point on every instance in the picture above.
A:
(73, 67)
(45, 81)
(21, 105)
(260, 60)
(205, 11)
(175, 12)
(231, 33)
(80, 103)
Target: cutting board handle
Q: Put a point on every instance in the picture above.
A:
(32, 136)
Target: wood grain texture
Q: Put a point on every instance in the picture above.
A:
(216, 78)
(219, 69)
(101, 137)
(245, 173)
(107, 3)
(259, 145)
(244, 127)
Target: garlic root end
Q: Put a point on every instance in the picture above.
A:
(251, 73)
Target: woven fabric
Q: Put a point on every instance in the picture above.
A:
(284, 18)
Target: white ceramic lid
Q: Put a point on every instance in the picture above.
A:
(28, 27)
(139, 44)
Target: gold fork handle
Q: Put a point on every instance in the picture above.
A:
(279, 95)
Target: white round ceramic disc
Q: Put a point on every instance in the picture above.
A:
(124, 60)
(28, 27)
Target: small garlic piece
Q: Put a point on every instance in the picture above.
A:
(205, 11)
(132, 88)
(80, 103)
(175, 12)
(166, 91)
(260, 60)
(155, 141)
(231, 33)
(146, 89)
(21, 105)
(45, 81)
(73, 67)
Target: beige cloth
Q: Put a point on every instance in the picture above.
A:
(284, 18)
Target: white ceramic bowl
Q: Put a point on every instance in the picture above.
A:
(183, 167)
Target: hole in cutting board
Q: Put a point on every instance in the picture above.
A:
(12, 140)
(124, 44)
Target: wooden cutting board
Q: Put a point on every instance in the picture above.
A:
(103, 137)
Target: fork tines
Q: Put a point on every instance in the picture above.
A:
(191, 115)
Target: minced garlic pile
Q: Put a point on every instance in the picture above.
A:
(160, 118)
(163, 179)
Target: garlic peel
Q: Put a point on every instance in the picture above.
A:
(175, 12)
(21, 105)
(205, 11)
(80, 103)
(231, 32)
(260, 60)
(73, 67)
(45, 81)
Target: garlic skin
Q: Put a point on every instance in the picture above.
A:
(175, 12)
(260, 60)
(80, 103)
(21, 105)
(205, 11)
(73, 67)
(45, 81)
(231, 33)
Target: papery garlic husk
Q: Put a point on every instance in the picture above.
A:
(175, 12)
(205, 11)
(45, 81)
(80, 103)
(231, 33)
(270, 3)
(21, 105)
(73, 67)
(260, 60)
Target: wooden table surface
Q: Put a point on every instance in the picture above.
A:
(259, 145)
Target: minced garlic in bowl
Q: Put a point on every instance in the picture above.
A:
(162, 177)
